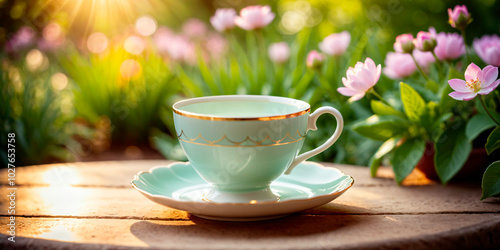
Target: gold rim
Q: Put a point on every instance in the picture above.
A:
(266, 118)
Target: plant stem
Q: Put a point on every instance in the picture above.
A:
(487, 112)
(419, 68)
(466, 51)
(438, 63)
(324, 82)
(372, 90)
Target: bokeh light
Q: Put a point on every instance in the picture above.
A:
(134, 45)
(97, 42)
(53, 32)
(59, 81)
(130, 68)
(146, 25)
(35, 60)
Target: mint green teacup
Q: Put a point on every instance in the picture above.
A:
(239, 144)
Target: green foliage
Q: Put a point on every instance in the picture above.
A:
(452, 150)
(491, 181)
(493, 142)
(406, 158)
(478, 124)
(130, 102)
(382, 128)
(414, 104)
(385, 149)
(40, 118)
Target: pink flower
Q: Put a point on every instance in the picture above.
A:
(223, 19)
(425, 41)
(404, 43)
(194, 28)
(488, 49)
(182, 50)
(449, 46)
(477, 81)
(254, 17)
(360, 79)
(216, 46)
(162, 38)
(279, 52)
(315, 60)
(459, 17)
(335, 44)
(399, 65)
(22, 38)
(424, 59)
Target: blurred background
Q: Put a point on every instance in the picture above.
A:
(95, 79)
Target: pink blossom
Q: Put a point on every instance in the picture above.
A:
(335, 44)
(254, 17)
(315, 60)
(404, 43)
(399, 65)
(424, 59)
(182, 50)
(216, 46)
(477, 81)
(22, 38)
(488, 49)
(223, 19)
(449, 46)
(459, 17)
(279, 52)
(161, 38)
(194, 28)
(360, 79)
(425, 41)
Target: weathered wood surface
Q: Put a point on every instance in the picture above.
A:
(92, 204)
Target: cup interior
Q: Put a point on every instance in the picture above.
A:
(240, 106)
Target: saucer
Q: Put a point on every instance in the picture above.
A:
(178, 186)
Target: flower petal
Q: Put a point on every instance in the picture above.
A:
(348, 91)
(487, 90)
(379, 70)
(462, 96)
(473, 72)
(459, 85)
(490, 74)
(242, 23)
(356, 97)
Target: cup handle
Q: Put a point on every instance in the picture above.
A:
(311, 125)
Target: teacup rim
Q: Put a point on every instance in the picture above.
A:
(304, 107)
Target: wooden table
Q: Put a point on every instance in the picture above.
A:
(93, 205)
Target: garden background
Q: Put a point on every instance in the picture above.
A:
(85, 80)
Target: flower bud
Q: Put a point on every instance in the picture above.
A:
(315, 60)
(459, 17)
(404, 43)
(425, 41)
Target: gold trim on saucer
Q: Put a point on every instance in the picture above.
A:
(206, 142)
(217, 118)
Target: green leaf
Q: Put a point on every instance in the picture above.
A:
(382, 128)
(493, 142)
(491, 180)
(413, 103)
(452, 150)
(381, 108)
(384, 149)
(477, 125)
(406, 158)
(432, 85)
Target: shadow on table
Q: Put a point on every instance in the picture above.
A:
(302, 224)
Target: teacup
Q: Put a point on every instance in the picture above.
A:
(239, 144)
